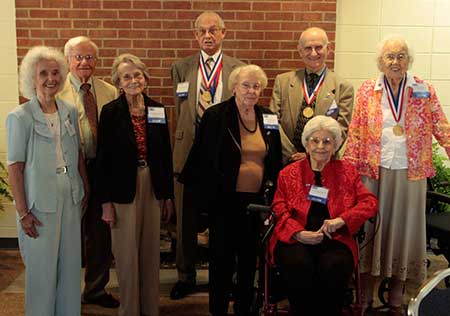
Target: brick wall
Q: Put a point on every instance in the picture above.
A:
(260, 32)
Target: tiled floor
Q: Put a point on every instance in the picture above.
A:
(12, 281)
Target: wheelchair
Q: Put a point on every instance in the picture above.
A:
(269, 290)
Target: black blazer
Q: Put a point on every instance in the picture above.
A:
(117, 154)
(213, 164)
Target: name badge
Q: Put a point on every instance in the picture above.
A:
(182, 89)
(270, 121)
(318, 194)
(333, 109)
(69, 126)
(420, 91)
(156, 115)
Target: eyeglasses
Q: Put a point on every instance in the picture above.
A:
(213, 31)
(325, 141)
(392, 57)
(247, 86)
(88, 58)
(128, 77)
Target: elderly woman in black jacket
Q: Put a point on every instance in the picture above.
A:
(135, 182)
(236, 151)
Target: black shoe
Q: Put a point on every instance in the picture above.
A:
(181, 289)
(106, 300)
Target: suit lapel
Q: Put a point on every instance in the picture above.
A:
(226, 70)
(100, 94)
(232, 123)
(125, 119)
(191, 77)
(296, 94)
(326, 94)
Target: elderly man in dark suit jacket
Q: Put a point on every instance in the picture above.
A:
(199, 81)
(301, 94)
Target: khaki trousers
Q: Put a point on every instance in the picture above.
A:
(135, 245)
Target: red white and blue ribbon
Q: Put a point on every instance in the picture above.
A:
(310, 96)
(396, 104)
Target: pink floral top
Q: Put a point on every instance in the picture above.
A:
(424, 118)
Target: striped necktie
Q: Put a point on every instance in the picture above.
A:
(204, 97)
(90, 108)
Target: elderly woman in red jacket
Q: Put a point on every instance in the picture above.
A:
(320, 203)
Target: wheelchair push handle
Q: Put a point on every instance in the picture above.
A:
(262, 209)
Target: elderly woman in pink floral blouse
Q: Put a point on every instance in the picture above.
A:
(389, 141)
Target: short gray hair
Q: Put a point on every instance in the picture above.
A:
(131, 59)
(322, 122)
(27, 70)
(219, 19)
(75, 41)
(251, 69)
(393, 38)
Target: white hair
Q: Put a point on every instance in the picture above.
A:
(75, 41)
(322, 122)
(251, 69)
(27, 70)
(393, 38)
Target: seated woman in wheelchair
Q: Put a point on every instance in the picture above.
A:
(320, 204)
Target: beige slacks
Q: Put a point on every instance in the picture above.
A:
(135, 245)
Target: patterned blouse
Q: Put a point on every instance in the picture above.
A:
(139, 127)
(424, 118)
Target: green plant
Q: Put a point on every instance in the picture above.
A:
(441, 181)
(4, 187)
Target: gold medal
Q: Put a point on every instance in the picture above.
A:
(398, 130)
(308, 112)
(206, 96)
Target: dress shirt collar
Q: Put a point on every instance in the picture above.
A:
(319, 73)
(214, 57)
(379, 84)
(77, 83)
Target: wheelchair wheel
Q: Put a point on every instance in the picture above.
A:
(383, 291)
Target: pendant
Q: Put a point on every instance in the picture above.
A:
(206, 96)
(398, 130)
(308, 112)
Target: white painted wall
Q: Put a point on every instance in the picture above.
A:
(9, 97)
(361, 24)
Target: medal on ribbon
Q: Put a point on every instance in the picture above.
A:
(310, 96)
(210, 80)
(396, 104)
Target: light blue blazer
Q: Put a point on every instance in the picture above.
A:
(30, 140)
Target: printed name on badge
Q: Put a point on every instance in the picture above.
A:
(182, 89)
(156, 115)
(270, 121)
(318, 194)
(420, 90)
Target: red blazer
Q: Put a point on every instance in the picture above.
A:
(348, 198)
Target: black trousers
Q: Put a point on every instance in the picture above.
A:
(316, 276)
(233, 241)
(96, 241)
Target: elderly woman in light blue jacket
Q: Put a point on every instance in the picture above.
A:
(46, 174)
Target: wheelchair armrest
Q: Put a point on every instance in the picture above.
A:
(413, 306)
(438, 197)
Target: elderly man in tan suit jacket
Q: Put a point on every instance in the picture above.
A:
(301, 94)
(89, 94)
(199, 81)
